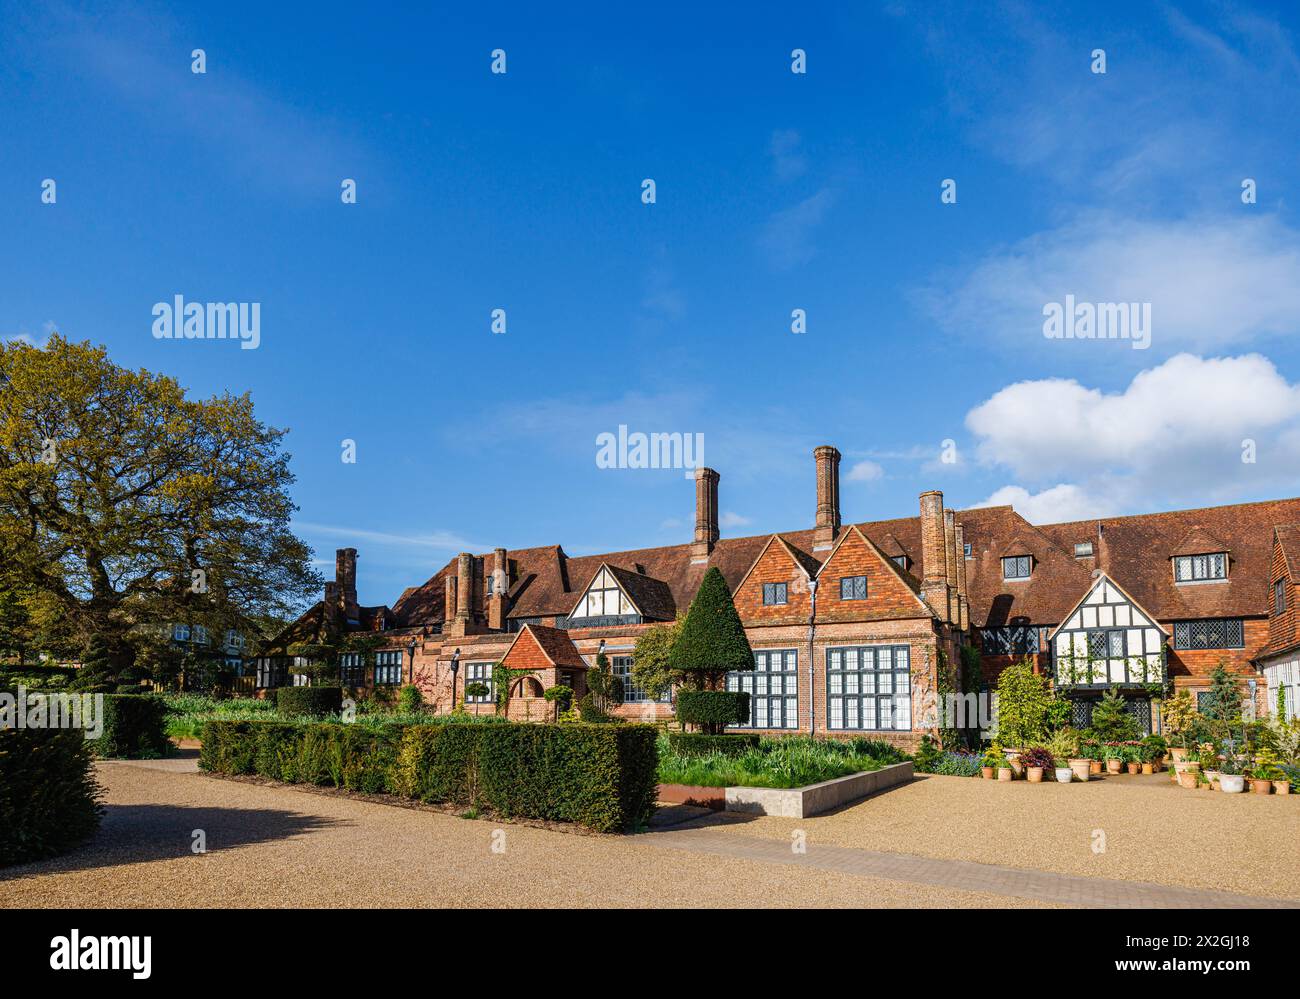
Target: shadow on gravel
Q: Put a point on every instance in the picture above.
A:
(132, 834)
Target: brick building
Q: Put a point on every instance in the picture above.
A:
(851, 624)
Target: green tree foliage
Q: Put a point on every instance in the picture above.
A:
(606, 688)
(650, 664)
(1111, 721)
(126, 505)
(712, 641)
(1025, 712)
(1225, 696)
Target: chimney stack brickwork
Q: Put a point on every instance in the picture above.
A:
(449, 600)
(500, 582)
(828, 497)
(706, 514)
(950, 564)
(963, 600)
(934, 563)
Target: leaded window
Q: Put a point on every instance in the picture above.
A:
(869, 687)
(853, 587)
(604, 599)
(774, 593)
(622, 668)
(1082, 549)
(1216, 633)
(272, 671)
(388, 668)
(1106, 643)
(181, 632)
(1279, 596)
(773, 688)
(479, 673)
(1017, 566)
(1010, 641)
(352, 669)
(1194, 568)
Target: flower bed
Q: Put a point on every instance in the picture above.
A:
(782, 762)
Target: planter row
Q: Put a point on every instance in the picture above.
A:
(1188, 774)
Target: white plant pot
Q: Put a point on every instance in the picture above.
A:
(1232, 783)
(1064, 775)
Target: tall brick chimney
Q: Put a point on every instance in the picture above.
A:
(464, 586)
(499, 582)
(345, 574)
(950, 564)
(934, 577)
(828, 497)
(963, 601)
(706, 514)
(449, 600)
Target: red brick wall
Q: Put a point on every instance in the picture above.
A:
(1192, 667)
(887, 595)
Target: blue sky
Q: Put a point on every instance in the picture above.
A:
(775, 191)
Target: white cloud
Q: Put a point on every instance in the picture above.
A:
(787, 237)
(1175, 435)
(1211, 282)
(788, 161)
(865, 471)
(730, 519)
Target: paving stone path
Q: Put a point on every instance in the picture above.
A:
(1039, 886)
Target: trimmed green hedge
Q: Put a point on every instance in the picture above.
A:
(713, 707)
(135, 728)
(601, 776)
(318, 701)
(49, 800)
(701, 744)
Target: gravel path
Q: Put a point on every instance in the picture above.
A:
(281, 847)
(1149, 830)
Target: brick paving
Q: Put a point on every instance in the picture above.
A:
(1037, 886)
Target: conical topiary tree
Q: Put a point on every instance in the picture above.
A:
(712, 641)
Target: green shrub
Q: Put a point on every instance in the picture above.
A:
(601, 776)
(49, 801)
(714, 709)
(701, 744)
(318, 701)
(409, 699)
(135, 728)
(712, 640)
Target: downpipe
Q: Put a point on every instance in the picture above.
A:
(812, 667)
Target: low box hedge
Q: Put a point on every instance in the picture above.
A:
(702, 744)
(713, 708)
(135, 728)
(317, 701)
(49, 800)
(600, 776)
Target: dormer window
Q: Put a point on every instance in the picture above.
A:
(604, 598)
(900, 561)
(966, 550)
(1017, 566)
(1200, 568)
(775, 594)
(1083, 549)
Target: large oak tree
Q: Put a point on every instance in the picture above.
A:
(125, 505)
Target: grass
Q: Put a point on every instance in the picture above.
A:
(791, 761)
(187, 713)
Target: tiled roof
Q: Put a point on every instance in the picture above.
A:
(1288, 537)
(1135, 552)
(653, 597)
(557, 645)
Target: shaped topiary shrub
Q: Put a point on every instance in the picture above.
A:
(317, 701)
(699, 744)
(49, 800)
(713, 709)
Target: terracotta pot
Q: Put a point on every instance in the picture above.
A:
(1178, 753)
(1282, 786)
(1187, 779)
(1094, 766)
(1114, 766)
(1135, 768)
(1005, 773)
(1261, 786)
(1013, 757)
(1081, 768)
(1035, 774)
(986, 773)
(1148, 768)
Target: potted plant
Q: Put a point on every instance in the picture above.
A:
(1006, 770)
(1064, 746)
(1231, 780)
(1133, 759)
(1156, 749)
(1035, 762)
(1264, 773)
(1146, 755)
(989, 762)
(1114, 759)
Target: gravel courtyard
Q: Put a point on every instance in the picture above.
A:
(273, 846)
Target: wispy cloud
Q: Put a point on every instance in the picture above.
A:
(788, 160)
(865, 471)
(448, 541)
(787, 238)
